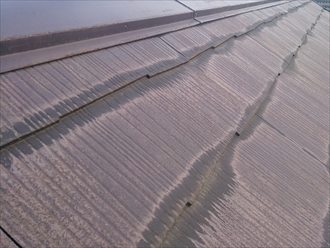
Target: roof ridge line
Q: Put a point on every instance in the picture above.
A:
(15, 141)
(13, 61)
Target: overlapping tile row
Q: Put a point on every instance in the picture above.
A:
(190, 42)
(265, 192)
(299, 106)
(230, 62)
(102, 174)
(283, 36)
(35, 97)
(271, 188)
(195, 40)
(113, 165)
(119, 171)
(42, 94)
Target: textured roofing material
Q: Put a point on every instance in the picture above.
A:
(272, 179)
(28, 39)
(90, 77)
(104, 71)
(266, 192)
(193, 41)
(177, 140)
(5, 241)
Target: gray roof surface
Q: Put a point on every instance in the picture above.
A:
(26, 18)
(205, 10)
(55, 98)
(272, 179)
(5, 241)
(28, 38)
(107, 148)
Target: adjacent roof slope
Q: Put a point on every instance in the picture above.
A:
(26, 38)
(232, 117)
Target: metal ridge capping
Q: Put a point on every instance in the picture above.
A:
(26, 43)
(222, 6)
(37, 42)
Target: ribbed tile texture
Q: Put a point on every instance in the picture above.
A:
(284, 36)
(190, 42)
(299, 106)
(127, 164)
(5, 242)
(265, 192)
(226, 28)
(38, 96)
(140, 153)
(118, 172)
(238, 25)
(193, 41)
(271, 187)
(43, 94)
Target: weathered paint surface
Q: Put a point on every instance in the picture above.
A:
(123, 153)
(265, 192)
(40, 95)
(272, 187)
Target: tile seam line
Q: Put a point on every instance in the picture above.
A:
(234, 35)
(287, 65)
(17, 140)
(10, 237)
(23, 137)
(277, 130)
(128, 84)
(199, 192)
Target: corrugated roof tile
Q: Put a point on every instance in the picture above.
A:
(148, 144)
(190, 42)
(274, 195)
(49, 91)
(5, 241)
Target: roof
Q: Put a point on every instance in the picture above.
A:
(215, 134)
(28, 39)
(324, 3)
